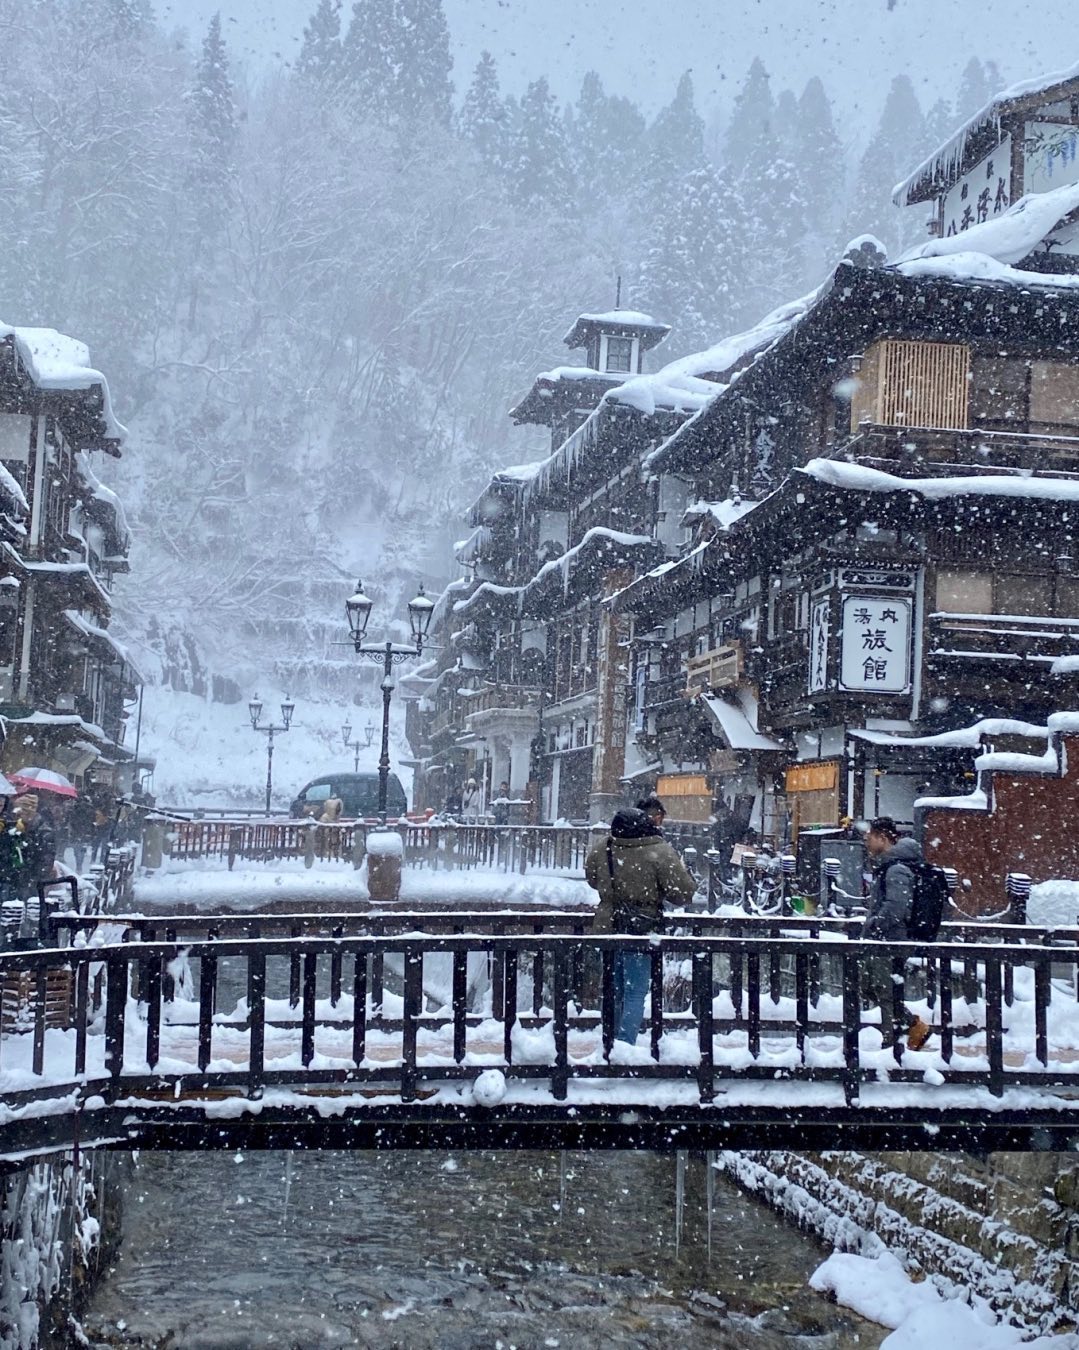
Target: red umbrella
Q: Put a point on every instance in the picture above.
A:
(44, 780)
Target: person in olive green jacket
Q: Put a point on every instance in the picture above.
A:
(636, 873)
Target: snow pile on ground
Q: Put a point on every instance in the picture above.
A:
(1054, 904)
(208, 755)
(920, 1315)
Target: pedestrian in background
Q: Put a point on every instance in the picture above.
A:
(897, 864)
(636, 873)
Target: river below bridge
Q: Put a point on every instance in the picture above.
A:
(456, 1251)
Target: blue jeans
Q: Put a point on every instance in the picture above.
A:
(632, 975)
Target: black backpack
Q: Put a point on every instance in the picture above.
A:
(931, 897)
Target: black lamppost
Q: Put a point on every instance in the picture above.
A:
(358, 745)
(358, 609)
(255, 709)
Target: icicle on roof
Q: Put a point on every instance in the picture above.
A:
(947, 160)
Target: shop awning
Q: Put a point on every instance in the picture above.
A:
(733, 724)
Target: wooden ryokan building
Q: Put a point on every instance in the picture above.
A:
(815, 569)
(66, 684)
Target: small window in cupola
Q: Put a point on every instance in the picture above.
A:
(620, 355)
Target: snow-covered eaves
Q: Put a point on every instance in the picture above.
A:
(77, 572)
(55, 361)
(102, 638)
(105, 506)
(63, 722)
(507, 600)
(1010, 237)
(962, 738)
(473, 548)
(981, 267)
(445, 602)
(695, 383)
(977, 136)
(861, 478)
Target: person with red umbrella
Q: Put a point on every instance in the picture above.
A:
(38, 843)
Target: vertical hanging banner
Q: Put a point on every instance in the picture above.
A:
(818, 646)
(876, 644)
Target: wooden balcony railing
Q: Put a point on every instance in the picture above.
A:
(720, 668)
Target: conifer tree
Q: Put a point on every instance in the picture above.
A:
(821, 161)
(213, 129)
(605, 140)
(320, 55)
(692, 272)
(675, 141)
(483, 118)
(539, 163)
(751, 121)
(891, 154)
(423, 74)
(974, 91)
(212, 114)
(396, 59)
(368, 54)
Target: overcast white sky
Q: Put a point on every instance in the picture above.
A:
(641, 46)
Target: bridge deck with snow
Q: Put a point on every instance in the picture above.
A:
(341, 1036)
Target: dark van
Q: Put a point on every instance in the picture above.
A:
(357, 791)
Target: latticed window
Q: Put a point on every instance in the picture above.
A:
(913, 384)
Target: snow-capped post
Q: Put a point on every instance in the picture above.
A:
(1017, 889)
(309, 844)
(385, 855)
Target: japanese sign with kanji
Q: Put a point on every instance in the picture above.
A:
(876, 644)
(818, 646)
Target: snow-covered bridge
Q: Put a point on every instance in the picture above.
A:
(364, 1032)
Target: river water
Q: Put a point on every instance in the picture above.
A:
(456, 1251)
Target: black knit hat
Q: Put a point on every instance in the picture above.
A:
(631, 823)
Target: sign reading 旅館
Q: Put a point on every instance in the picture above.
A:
(876, 644)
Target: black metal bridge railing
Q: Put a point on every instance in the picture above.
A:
(365, 1028)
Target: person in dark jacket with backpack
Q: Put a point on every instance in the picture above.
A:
(897, 866)
(636, 873)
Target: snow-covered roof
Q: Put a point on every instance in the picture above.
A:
(692, 382)
(967, 266)
(1011, 236)
(445, 600)
(722, 514)
(947, 161)
(520, 473)
(55, 361)
(861, 478)
(574, 373)
(9, 486)
(651, 330)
